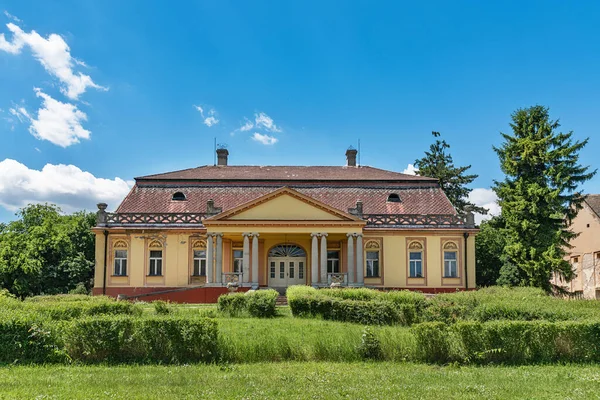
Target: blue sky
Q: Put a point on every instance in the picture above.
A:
(102, 92)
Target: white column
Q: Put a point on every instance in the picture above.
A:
(255, 260)
(360, 264)
(246, 260)
(209, 258)
(314, 260)
(324, 258)
(219, 259)
(351, 265)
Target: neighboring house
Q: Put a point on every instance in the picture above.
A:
(276, 226)
(585, 253)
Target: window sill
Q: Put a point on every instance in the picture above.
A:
(374, 276)
(118, 276)
(416, 277)
(153, 275)
(451, 277)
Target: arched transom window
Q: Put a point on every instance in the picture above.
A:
(287, 250)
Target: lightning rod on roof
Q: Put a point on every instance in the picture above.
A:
(358, 153)
(215, 153)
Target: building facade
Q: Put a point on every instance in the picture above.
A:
(189, 235)
(584, 256)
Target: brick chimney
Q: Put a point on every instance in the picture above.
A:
(222, 156)
(351, 157)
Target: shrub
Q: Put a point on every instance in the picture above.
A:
(161, 307)
(432, 342)
(155, 339)
(79, 289)
(25, 340)
(232, 304)
(76, 309)
(370, 346)
(262, 303)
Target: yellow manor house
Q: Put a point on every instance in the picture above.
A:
(192, 235)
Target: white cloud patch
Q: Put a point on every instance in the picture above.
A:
(55, 56)
(209, 118)
(485, 198)
(410, 170)
(266, 122)
(247, 126)
(66, 185)
(56, 122)
(264, 139)
(10, 16)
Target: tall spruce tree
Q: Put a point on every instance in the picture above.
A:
(438, 163)
(539, 196)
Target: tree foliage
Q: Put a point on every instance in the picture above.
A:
(438, 163)
(489, 247)
(539, 196)
(46, 252)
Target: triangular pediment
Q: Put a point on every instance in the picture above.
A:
(284, 204)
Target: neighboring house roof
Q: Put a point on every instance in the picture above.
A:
(593, 201)
(283, 173)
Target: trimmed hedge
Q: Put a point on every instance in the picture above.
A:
(26, 340)
(259, 303)
(508, 342)
(155, 339)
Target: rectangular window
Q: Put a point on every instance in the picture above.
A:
(272, 270)
(292, 272)
(155, 263)
(372, 264)
(281, 270)
(450, 266)
(120, 262)
(300, 270)
(415, 264)
(199, 263)
(238, 261)
(333, 262)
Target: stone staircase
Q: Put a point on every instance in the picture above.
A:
(281, 301)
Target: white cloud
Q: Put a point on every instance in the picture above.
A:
(10, 16)
(55, 56)
(66, 185)
(264, 139)
(263, 120)
(56, 122)
(410, 170)
(209, 120)
(247, 126)
(485, 198)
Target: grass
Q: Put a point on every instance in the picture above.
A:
(300, 381)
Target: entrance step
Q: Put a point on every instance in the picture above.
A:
(281, 301)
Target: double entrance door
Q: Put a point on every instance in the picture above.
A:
(287, 271)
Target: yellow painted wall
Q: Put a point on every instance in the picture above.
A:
(286, 208)
(393, 256)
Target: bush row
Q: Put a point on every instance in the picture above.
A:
(259, 303)
(507, 342)
(109, 339)
(377, 312)
(490, 304)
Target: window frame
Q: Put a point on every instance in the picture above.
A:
(235, 259)
(448, 261)
(120, 260)
(369, 262)
(158, 262)
(200, 264)
(416, 262)
(338, 259)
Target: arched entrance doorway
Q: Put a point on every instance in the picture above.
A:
(287, 265)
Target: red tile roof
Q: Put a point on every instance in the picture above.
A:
(424, 199)
(283, 173)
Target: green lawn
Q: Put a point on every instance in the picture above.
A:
(300, 381)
